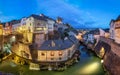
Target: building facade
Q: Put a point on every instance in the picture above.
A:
(112, 28)
(7, 28)
(15, 25)
(1, 36)
(51, 51)
(115, 29)
(37, 25)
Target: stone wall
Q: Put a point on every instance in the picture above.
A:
(112, 63)
(111, 57)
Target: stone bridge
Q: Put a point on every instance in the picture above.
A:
(109, 51)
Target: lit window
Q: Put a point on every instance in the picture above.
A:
(52, 53)
(60, 53)
(39, 28)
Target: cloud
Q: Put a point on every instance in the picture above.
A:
(4, 18)
(70, 13)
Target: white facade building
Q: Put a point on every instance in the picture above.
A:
(90, 38)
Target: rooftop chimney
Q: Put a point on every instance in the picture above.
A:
(53, 44)
(59, 20)
(42, 15)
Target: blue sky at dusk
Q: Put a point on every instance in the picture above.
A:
(79, 13)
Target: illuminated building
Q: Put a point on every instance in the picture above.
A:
(7, 28)
(1, 36)
(36, 46)
(15, 25)
(56, 50)
(50, 53)
(115, 29)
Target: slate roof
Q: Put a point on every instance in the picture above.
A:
(96, 31)
(106, 30)
(73, 39)
(117, 19)
(58, 44)
(15, 21)
(12, 22)
(38, 17)
(46, 17)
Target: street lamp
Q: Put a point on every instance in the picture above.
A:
(102, 61)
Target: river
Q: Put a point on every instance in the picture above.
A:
(89, 64)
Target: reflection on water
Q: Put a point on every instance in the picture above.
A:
(89, 63)
(90, 68)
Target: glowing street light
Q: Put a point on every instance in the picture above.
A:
(102, 61)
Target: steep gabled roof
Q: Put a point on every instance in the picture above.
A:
(106, 30)
(38, 17)
(46, 17)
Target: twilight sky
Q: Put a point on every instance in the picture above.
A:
(79, 13)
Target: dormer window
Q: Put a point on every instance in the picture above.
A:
(60, 53)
